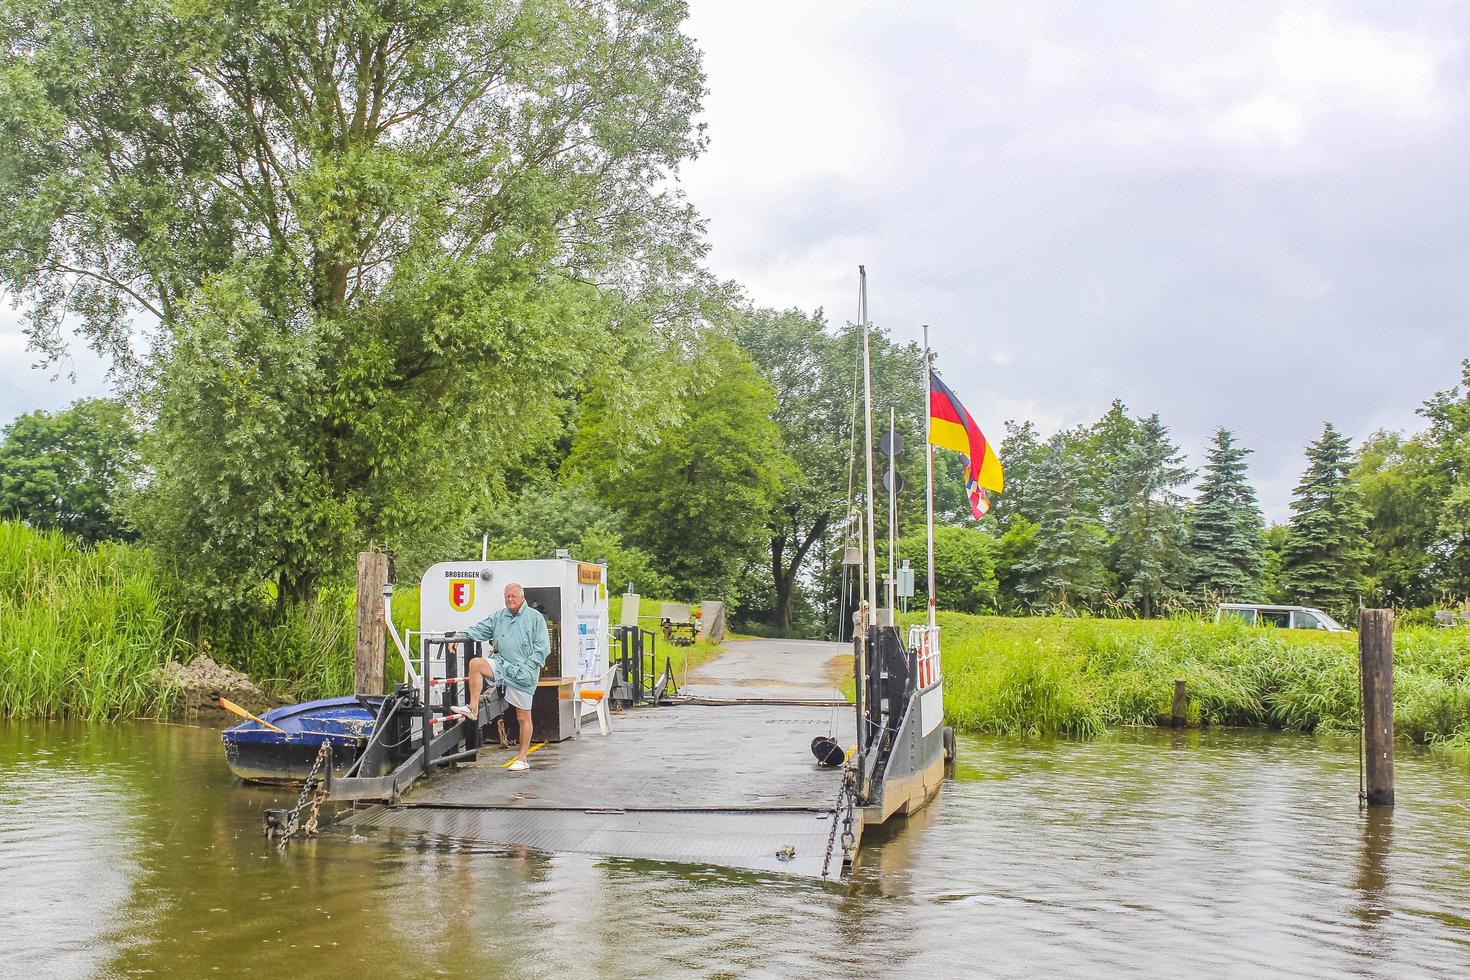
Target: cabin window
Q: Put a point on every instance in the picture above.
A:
(1308, 621)
(1280, 620)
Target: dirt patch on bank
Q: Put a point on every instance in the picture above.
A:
(839, 670)
(197, 686)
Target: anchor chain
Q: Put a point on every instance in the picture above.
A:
(843, 816)
(311, 794)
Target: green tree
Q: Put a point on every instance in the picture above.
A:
(1448, 413)
(66, 470)
(698, 495)
(812, 371)
(1019, 453)
(1065, 565)
(964, 568)
(1273, 547)
(1147, 517)
(1324, 558)
(384, 247)
(1403, 490)
(1013, 554)
(1226, 527)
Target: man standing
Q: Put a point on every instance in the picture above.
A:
(519, 647)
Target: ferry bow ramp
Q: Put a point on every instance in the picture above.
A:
(723, 775)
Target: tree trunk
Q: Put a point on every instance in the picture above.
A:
(785, 578)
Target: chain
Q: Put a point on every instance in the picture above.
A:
(293, 820)
(500, 727)
(844, 792)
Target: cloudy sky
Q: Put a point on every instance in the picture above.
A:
(1245, 214)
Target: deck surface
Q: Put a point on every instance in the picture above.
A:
(726, 784)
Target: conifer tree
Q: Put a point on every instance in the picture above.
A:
(1148, 517)
(1325, 556)
(1065, 564)
(1225, 538)
(1020, 452)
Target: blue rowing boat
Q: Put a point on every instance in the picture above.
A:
(259, 755)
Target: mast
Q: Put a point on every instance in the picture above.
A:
(928, 476)
(868, 435)
(892, 513)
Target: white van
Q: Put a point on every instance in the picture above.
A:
(1281, 617)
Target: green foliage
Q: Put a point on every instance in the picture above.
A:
(1226, 527)
(81, 628)
(1065, 564)
(814, 374)
(1273, 547)
(1145, 516)
(1019, 454)
(1325, 557)
(964, 568)
(696, 499)
(548, 515)
(66, 470)
(386, 248)
(1448, 413)
(1051, 675)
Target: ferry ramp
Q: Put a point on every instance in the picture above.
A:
(725, 777)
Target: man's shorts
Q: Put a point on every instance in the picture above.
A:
(516, 697)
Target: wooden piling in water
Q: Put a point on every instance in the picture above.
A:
(1179, 713)
(372, 574)
(1375, 665)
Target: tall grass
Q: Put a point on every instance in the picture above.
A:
(1051, 675)
(81, 629)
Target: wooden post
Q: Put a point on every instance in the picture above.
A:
(1375, 662)
(1179, 713)
(372, 574)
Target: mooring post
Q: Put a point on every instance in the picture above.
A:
(1179, 713)
(372, 574)
(1375, 663)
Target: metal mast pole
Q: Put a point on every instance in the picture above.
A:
(868, 444)
(892, 512)
(928, 475)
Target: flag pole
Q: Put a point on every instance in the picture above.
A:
(928, 475)
(892, 512)
(868, 435)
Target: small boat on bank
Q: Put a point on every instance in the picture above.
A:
(259, 755)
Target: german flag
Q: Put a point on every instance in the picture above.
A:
(951, 427)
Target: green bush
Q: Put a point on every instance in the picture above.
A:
(1067, 676)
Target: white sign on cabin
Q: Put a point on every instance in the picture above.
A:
(572, 595)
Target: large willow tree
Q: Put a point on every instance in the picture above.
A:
(353, 258)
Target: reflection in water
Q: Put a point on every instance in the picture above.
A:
(68, 848)
(1142, 853)
(1375, 841)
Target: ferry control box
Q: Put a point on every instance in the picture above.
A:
(572, 595)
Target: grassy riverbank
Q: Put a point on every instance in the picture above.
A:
(82, 631)
(1075, 677)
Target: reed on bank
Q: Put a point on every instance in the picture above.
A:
(81, 629)
(1076, 677)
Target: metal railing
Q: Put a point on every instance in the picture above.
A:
(636, 655)
(924, 642)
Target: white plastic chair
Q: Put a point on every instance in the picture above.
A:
(594, 692)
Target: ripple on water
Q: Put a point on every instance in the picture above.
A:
(1218, 853)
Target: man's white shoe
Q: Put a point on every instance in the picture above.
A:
(463, 710)
(520, 765)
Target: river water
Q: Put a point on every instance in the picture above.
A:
(130, 850)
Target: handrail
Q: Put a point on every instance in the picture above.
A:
(924, 641)
(411, 675)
